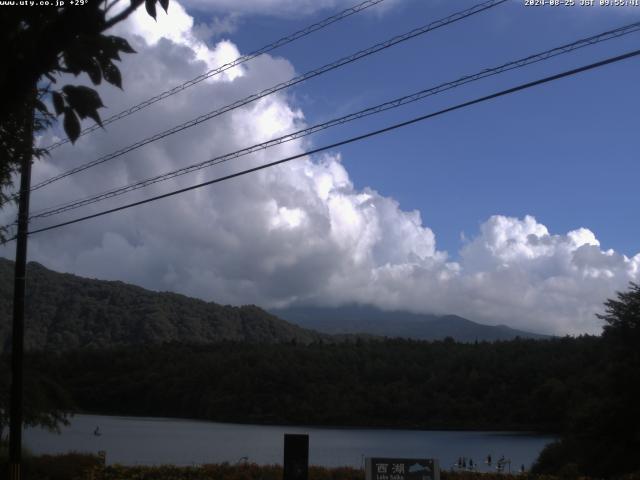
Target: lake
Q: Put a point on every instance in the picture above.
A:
(154, 441)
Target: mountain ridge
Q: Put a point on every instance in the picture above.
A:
(358, 319)
(65, 311)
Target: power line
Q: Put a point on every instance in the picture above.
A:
(238, 61)
(353, 139)
(531, 59)
(313, 73)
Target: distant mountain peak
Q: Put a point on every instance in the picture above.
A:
(368, 319)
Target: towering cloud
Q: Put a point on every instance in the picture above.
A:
(300, 232)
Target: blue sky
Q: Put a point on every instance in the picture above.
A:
(565, 153)
(520, 211)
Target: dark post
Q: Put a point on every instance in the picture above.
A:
(296, 457)
(17, 345)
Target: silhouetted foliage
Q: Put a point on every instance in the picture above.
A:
(40, 44)
(623, 320)
(46, 403)
(603, 437)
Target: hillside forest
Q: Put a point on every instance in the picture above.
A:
(585, 389)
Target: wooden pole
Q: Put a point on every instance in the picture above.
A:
(19, 285)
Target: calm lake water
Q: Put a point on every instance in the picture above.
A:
(153, 441)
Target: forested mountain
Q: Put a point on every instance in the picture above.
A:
(520, 384)
(67, 312)
(358, 319)
(162, 354)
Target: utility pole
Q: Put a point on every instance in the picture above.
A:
(17, 345)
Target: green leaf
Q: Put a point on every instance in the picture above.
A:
(112, 74)
(165, 5)
(105, 48)
(84, 101)
(41, 107)
(95, 116)
(71, 124)
(58, 102)
(93, 70)
(71, 62)
(83, 94)
(121, 44)
(79, 58)
(150, 5)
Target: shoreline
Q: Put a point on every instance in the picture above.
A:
(504, 430)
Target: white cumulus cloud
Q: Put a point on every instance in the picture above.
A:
(276, 7)
(300, 232)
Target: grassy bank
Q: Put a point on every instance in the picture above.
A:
(75, 466)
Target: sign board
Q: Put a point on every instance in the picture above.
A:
(402, 469)
(296, 457)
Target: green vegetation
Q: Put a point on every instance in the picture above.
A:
(161, 354)
(70, 466)
(47, 43)
(76, 466)
(521, 384)
(46, 403)
(66, 312)
(603, 435)
(222, 472)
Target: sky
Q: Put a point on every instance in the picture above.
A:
(517, 211)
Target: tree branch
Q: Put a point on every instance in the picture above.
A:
(122, 15)
(110, 6)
